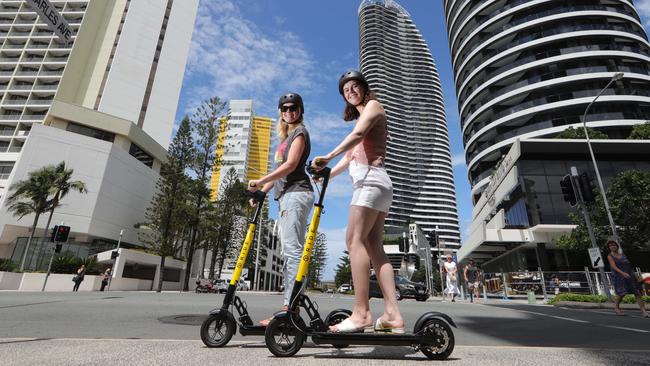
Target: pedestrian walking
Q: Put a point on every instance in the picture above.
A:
(472, 275)
(451, 271)
(293, 189)
(624, 279)
(79, 277)
(106, 277)
(363, 154)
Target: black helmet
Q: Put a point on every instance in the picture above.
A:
(291, 98)
(352, 75)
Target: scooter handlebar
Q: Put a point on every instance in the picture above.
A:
(257, 196)
(321, 173)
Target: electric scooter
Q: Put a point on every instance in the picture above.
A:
(220, 326)
(286, 333)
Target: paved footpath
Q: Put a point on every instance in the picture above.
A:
(104, 352)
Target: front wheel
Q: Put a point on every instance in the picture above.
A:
(217, 330)
(282, 338)
(440, 331)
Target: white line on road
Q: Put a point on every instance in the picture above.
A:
(555, 316)
(630, 329)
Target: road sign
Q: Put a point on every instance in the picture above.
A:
(596, 258)
(50, 16)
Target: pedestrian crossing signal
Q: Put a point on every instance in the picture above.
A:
(61, 233)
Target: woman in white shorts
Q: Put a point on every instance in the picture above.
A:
(364, 152)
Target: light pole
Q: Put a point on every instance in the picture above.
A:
(617, 76)
(110, 279)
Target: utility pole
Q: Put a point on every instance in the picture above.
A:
(592, 236)
(117, 251)
(49, 266)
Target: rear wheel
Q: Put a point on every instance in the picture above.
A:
(282, 338)
(335, 317)
(217, 330)
(443, 336)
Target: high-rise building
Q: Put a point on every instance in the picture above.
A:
(524, 72)
(244, 143)
(528, 69)
(400, 69)
(105, 105)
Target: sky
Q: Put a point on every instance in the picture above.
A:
(261, 49)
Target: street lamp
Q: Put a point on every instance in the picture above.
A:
(119, 241)
(617, 76)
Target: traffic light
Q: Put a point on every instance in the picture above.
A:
(586, 188)
(115, 254)
(58, 247)
(61, 233)
(567, 190)
(56, 227)
(403, 246)
(433, 238)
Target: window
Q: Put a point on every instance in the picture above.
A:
(90, 132)
(141, 155)
(5, 169)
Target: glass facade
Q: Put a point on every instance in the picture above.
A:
(529, 69)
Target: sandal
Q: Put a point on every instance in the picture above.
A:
(380, 327)
(265, 322)
(346, 326)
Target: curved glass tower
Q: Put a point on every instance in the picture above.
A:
(400, 69)
(529, 69)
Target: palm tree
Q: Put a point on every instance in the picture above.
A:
(29, 197)
(60, 187)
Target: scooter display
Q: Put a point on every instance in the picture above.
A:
(220, 326)
(286, 333)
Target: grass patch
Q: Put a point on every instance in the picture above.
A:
(628, 299)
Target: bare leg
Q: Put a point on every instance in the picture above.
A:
(617, 302)
(385, 275)
(639, 300)
(360, 222)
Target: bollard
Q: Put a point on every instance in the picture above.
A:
(505, 286)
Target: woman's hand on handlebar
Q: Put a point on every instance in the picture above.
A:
(253, 185)
(320, 162)
(252, 202)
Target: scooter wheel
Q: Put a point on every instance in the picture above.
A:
(217, 330)
(444, 339)
(282, 338)
(336, 317)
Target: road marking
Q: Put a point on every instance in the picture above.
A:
(555, 316)
(630, 329)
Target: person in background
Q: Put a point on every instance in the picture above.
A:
(79, 277)
(472, 275)
(105, 278)
(624, 279)
(451, 270)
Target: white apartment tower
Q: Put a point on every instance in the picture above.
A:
(104, 104)
(400, 69)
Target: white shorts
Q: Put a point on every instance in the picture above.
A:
(372, 187)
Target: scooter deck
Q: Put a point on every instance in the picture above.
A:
(376, 338)
(252, 330)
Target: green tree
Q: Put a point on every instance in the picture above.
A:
(318, 261)
(579, 133)
(205, 125)
(31, 197)
(629, 200)
(230, 208)
(640, 132)
(165, 217)
(343, 272)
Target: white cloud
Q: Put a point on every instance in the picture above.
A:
(643, 7)
(458, 160)
(232, 58)
(326, 129)
(335, 248)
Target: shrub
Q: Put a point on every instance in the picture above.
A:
(578, 298)
(7, 265)
(70, 264)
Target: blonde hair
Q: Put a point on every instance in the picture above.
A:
(283, 127)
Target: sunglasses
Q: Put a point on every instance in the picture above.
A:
(289, 108)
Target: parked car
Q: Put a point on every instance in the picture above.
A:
(242, 285)
(222, 286)
(403, 288)
(346, 287)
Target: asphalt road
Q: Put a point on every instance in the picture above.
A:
(142, 328)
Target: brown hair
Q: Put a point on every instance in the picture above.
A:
(350, 112)
(283, 127)
(610, 242)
